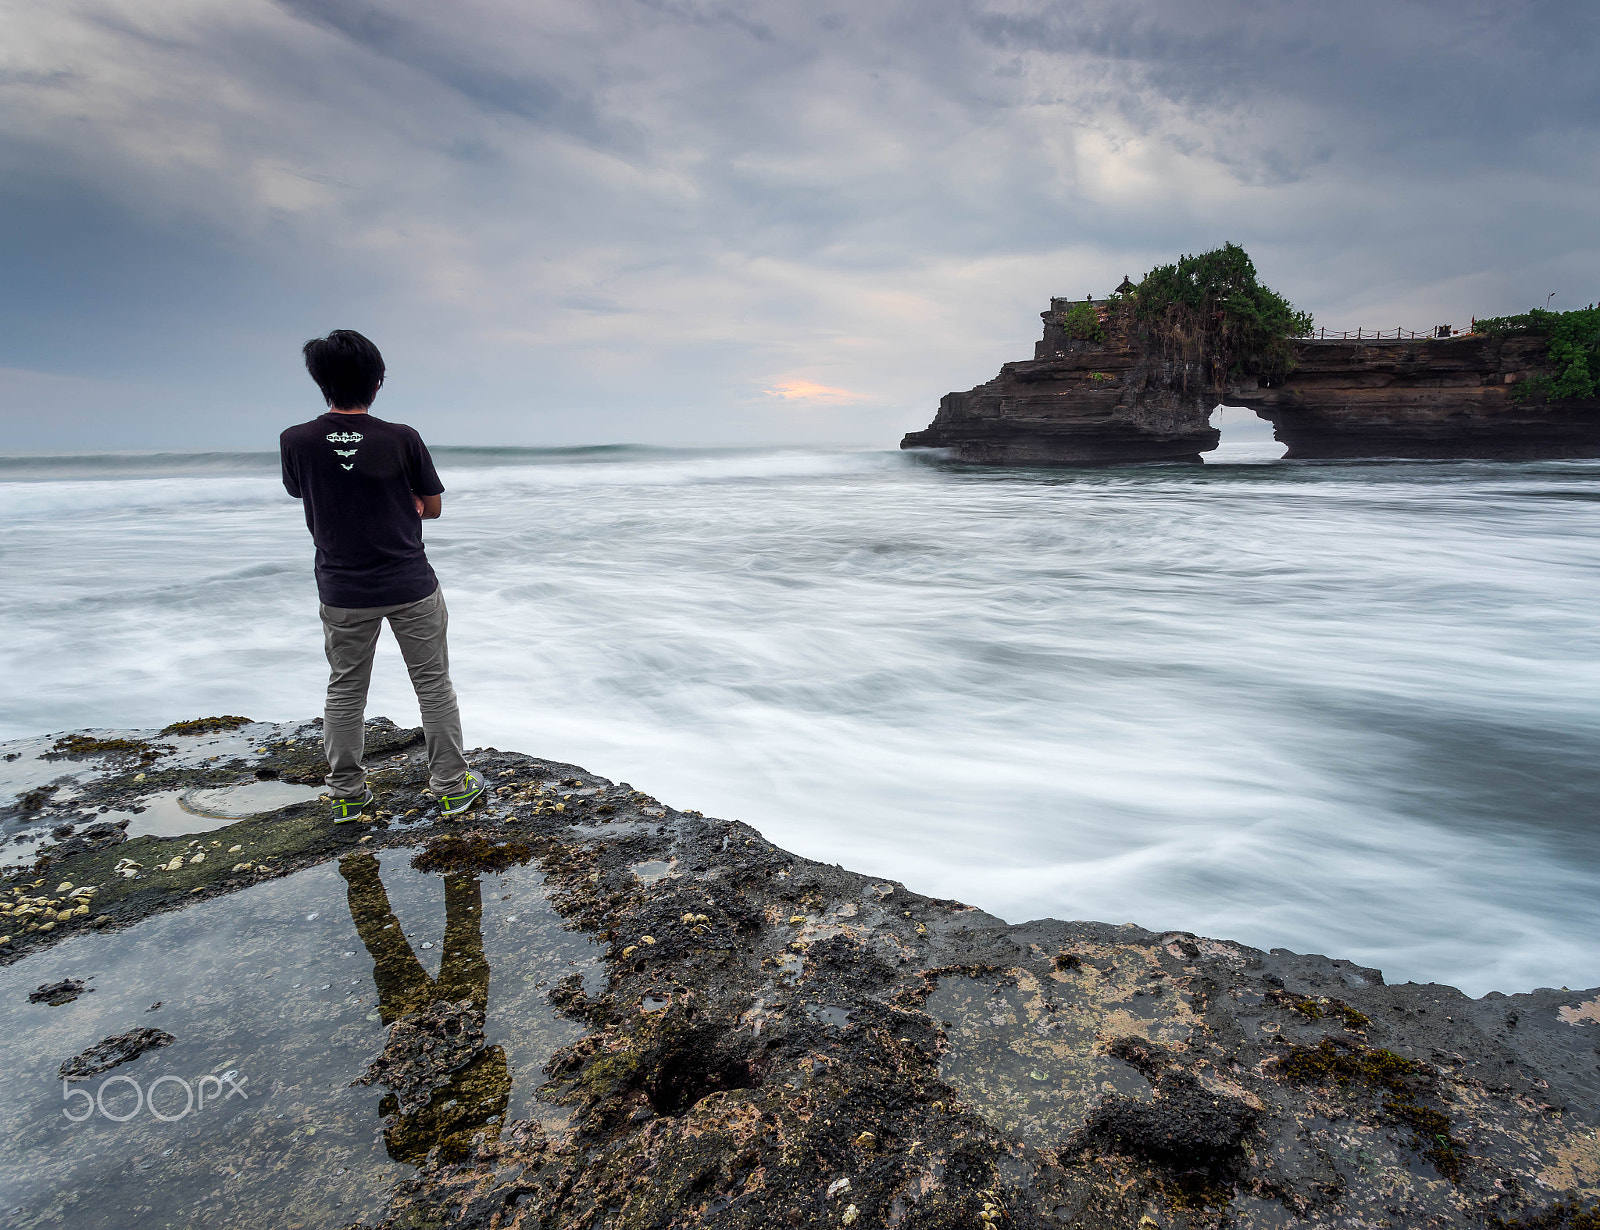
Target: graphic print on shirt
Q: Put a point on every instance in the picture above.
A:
(345, 437)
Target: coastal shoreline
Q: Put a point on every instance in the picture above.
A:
(783, 1042)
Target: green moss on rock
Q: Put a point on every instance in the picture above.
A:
(74, 747)
(471, 852)
(206, 725)
(1563, 1215)
(1401, 1080)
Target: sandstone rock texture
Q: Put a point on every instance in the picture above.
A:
(1131, 398)
(1079, 402)
(1437, 397)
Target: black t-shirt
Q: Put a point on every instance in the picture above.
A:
(357, 475)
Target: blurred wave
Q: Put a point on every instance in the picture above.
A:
(71, 484)
(1341, 707)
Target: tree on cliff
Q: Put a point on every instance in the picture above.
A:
(1212, 307)
(1573, 356)
(1082, 322)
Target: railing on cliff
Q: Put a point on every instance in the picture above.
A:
(1390, 335)
(1397, 334)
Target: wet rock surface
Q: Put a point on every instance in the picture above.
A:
(277, 996)
(115, 1050)
(425, 1049)
(1186, 1129)
(777, 1042)
(61, 992)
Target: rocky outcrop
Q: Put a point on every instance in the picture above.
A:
(1081, 403)
(1134, 397)
(780, 1042)
(1434, 397)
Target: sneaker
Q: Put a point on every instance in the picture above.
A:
(456, 801)
(346, 810)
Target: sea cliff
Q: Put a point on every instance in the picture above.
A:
(771, 1041)
(1136, 396)
(1452, 397)
(1081, 402)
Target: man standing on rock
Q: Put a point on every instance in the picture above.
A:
(367, 486)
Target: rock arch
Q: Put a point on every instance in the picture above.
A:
(1124, 400)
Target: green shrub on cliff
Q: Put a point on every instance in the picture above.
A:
(1082, 322)
(1214, 304)
(1573, 356)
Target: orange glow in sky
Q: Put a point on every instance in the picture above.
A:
(810, 390)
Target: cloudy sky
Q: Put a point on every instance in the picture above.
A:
(574, 221)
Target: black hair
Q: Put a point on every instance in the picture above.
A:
(346, 366)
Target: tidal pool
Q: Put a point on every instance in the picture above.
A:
(653, 869)
(171, 813)
(245, 799)
(276, 997)
(178, 813)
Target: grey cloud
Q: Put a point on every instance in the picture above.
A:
(630, 216)
(602, 305)
(1393, 73)
(526, 95)
(716, 15)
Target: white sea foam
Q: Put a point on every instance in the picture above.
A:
(1343, 707)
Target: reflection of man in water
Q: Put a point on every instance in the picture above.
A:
(481, 1090)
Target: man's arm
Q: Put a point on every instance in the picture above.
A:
(291, 481)
(423, 477)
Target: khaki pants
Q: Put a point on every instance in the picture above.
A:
(350, 635)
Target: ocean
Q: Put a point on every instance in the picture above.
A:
(1348, 708)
